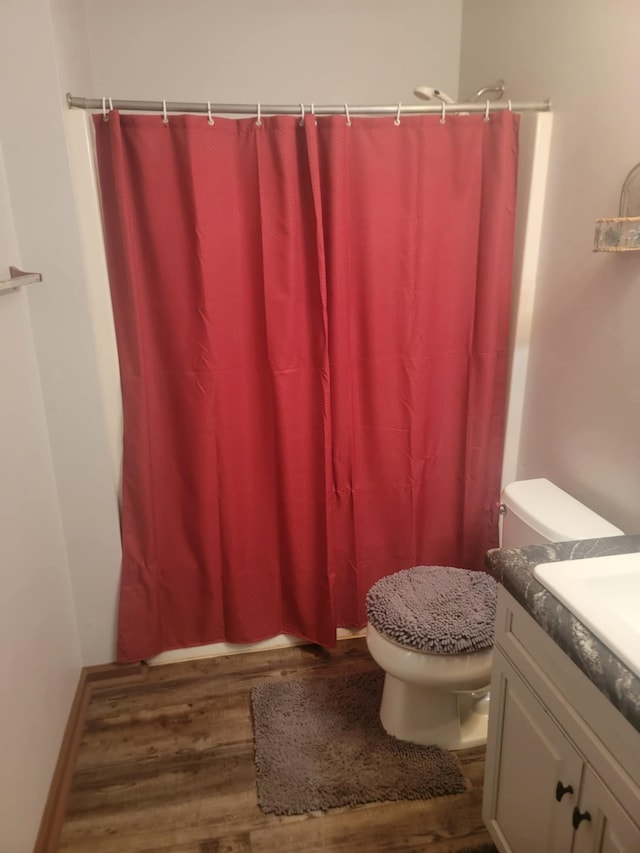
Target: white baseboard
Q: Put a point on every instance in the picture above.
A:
(212, 650)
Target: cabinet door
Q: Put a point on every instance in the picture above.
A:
(609, 828)
(528, 755)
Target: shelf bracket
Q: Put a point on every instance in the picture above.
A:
(18, 279)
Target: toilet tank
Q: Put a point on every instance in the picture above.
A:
(537, 511)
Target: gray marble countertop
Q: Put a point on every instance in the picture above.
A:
(513, 568)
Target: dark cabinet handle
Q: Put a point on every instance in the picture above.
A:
(578, 817)
(561, 790)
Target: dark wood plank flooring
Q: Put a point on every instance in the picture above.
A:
(167, 766)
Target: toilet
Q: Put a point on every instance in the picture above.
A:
(437, 671)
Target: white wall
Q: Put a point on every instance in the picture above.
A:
(48, 236)
(582, 409)
(59, 543)
(533, 167)
(282, 51)
(39, 648)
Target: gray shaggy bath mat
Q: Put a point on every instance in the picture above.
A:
(319, 744)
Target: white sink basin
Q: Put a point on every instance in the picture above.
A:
(604, 594)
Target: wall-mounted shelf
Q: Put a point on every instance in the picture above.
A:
(619, 234)
(622, 232)
(18, 279)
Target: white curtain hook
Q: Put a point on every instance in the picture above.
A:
(397, 121)
(486, 112)
(313, 113)
(105, 114)
(258, 119)
(110, 105)
(211, 119)
(301, 115)
(165, 118)
(510, 107)
(346, 112)
(443, 117)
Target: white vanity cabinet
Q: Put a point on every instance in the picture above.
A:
(563, 765)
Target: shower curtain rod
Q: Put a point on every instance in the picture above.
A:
(98, 104)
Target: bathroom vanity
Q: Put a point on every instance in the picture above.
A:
(563, 751)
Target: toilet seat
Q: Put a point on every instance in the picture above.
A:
(435, 609)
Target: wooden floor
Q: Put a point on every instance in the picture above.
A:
(167, 765)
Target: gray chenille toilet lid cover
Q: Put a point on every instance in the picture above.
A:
(435, 609)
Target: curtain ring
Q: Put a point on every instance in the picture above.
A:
(443, 117)
(346, 112)
(258, 120)
(510, 107)
(313, 113)
(397, 121)
(486, 112)
(211, 119)
(301, 115)
(105, 113)
(165, 119)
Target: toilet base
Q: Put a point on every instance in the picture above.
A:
(426, 716)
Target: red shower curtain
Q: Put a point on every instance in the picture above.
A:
(312, 328)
